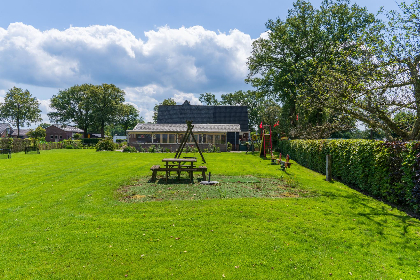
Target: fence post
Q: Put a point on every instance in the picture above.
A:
(328, 171)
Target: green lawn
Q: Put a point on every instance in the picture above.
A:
(63, 217)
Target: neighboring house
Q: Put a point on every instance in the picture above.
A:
(216, 125)
(115, 137)
(6, 130)
(57, 132)
(23, 133)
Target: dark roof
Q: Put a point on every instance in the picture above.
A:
(22, 131)
(200, 114)
(155, 127)
(68, 128)
(4, 126)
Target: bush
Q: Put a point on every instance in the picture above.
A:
(129, 149)
(229, 147)
(105, 145)
(152, 149)
(74, 144)
(91, 141)
(383, 169)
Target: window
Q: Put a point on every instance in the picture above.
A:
(217, 139)
(209, 139)
(52, 136)
(180, 136)
(202, 138)
(164, 138)
(144, 138)
(156, 138)
(56, 136)
(61, 136)
(223, 139)
(172, 138)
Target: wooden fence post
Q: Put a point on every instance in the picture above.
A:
(328, 171)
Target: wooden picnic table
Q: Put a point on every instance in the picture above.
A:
(179, 165)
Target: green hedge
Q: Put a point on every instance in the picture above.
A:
(90, 141)
(388, 170)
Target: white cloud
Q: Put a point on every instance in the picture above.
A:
(188, 59)
(171, 63)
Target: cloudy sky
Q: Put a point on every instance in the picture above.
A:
(152, 49)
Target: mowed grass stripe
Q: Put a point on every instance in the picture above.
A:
(61, 218)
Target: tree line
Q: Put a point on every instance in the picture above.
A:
(333, 66)
(89, 107)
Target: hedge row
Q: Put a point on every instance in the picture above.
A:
(18, 145)
(389, 170)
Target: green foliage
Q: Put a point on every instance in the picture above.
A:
(77, 136)
(378, 77)
(166, 102)
(285, 63)
(72, 144)
(45, 125)
(209, 99)
(88, 106)
(105, 145)
(129, 149)
(39, 133)
(229, 147)
(382, 169)
(152, 149)
(20, 108)
(90, 141)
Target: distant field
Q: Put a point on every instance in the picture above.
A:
(69, 214)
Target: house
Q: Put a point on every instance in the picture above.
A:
(23, 133)
(57, 132)
(6, 130)
(216, 125)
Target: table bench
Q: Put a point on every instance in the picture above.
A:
(178, 167)
(7, 152)
(31, 149)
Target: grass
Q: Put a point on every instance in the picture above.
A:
(64, 216)
(141, 190)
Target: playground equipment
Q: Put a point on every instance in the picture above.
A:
(185, 139)
(266, 143)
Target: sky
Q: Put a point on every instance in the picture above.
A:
(152, 49)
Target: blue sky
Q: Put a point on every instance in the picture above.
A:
(151, 49)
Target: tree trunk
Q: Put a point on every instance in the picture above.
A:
(102, 129)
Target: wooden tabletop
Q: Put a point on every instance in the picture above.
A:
(179, 160)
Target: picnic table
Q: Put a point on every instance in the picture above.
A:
(7, 152)
(178, 165)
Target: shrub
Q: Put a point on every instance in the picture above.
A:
(152, 149)
(229, 147)
(75, 144)
(129, 149)
(105, 145)
(77, 136)
(388, 170)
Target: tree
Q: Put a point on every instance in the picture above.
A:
(208, 99)
(74, 105)
(38, 133)
(168, 101)
(107, 102)
(45, 125)
(284, 65)
(19, 108)
(252, 99)
(128, 116)
(380, 80)
(88, 106)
